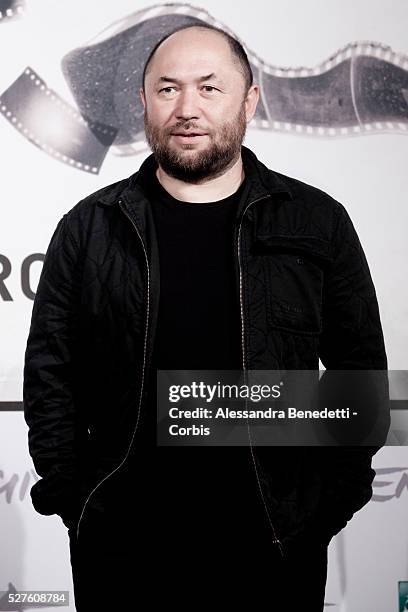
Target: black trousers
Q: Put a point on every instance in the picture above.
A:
(193, 532)
(117, 564)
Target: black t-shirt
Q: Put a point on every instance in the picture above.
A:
(199, 316)
(205, 490)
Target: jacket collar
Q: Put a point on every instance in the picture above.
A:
(261, 181)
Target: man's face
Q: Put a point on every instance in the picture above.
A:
(195, 125)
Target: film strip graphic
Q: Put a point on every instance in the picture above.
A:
(366, 92)
(58, 129)
(10, 9)
(361, 89)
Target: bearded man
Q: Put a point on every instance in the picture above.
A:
(204, 259)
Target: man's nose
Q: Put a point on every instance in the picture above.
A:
(187, 105)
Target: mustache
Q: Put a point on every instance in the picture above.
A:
(186, 126)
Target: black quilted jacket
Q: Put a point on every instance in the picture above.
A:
(93, 323)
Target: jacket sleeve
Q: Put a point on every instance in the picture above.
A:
(48, 401)
(351, 339)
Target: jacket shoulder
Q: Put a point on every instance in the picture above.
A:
(316, 200)
(83, 215)
(308, 193)
(107, 194)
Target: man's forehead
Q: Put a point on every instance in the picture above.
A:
(187, 53)
(191, 68)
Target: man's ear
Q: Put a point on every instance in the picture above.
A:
(251, 101)
(142, 97)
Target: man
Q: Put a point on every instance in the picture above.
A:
(203, 259)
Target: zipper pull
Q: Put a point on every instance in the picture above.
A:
(279, 543)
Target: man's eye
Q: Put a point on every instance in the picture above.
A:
(209, 87)
(166, 89)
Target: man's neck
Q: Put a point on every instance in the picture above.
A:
(209, 191)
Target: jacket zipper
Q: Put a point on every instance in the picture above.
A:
(275, 540)
(120, 202)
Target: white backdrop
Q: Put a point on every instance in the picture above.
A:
(364, 169)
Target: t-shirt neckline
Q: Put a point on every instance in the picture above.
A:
(158, 187)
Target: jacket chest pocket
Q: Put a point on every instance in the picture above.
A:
(294, 270)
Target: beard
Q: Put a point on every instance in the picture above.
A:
(220, 154)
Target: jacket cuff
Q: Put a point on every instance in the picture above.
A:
(56, 494)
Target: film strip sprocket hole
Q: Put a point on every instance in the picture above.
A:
(10, 9)
(54, 126)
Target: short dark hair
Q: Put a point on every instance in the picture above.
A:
(237, 51)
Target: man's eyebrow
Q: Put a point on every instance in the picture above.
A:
(167, 79)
